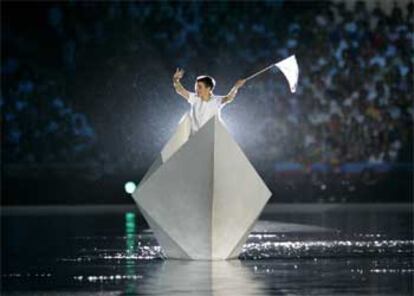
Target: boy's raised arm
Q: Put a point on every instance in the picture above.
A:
(232, 93)
(179, 88)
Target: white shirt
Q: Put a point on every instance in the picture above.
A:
(201, 111)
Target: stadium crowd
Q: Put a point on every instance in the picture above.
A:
(353, 104)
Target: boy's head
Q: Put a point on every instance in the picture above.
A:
(204, 85)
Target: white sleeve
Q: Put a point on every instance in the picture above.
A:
(192, 98)
(220, 99)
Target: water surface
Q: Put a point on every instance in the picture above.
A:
(291, 251)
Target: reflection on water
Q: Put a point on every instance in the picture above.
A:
(203, 278)
(113, 254)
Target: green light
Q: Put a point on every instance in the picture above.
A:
(130, 249)
(130, 216)
(130, 222)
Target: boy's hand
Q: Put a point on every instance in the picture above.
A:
(240, 83)
(178, 74)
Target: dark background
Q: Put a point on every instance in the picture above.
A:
(87, 100)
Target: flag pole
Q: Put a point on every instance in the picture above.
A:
(259, 72)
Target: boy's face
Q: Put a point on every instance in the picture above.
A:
(201, 89)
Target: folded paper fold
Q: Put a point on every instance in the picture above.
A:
(201, 196)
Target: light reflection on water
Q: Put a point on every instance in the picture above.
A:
(258, 246)
(78, 260)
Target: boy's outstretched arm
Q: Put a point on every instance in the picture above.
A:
(179, 88)
(232, 93)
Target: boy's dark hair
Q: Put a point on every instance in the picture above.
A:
(207, 80)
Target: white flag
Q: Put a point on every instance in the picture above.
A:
(290, 69)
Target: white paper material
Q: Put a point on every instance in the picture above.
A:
(290, 69)
(202, 196)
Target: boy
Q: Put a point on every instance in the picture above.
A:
(204, 104)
